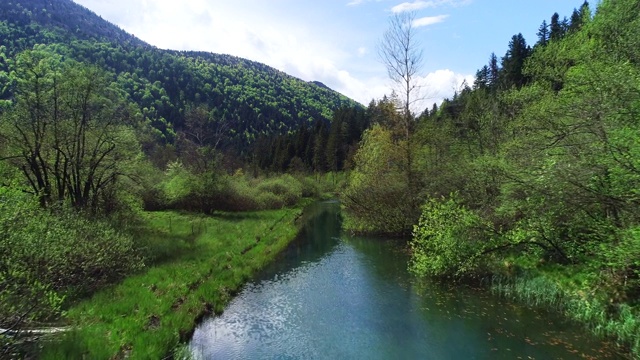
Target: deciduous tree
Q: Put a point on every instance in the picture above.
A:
(69, 131)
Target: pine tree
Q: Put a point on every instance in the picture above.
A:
(576, 21)
(482, 78)
(585, 12)
(513, 62)
(334, 154)
(494, 71)
(434, 110)
(565, 25)
(543, 34)
(319, 145)
(556, 30)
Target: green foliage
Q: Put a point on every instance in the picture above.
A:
(377, 195)
(69, 131)
(52, 256)
(250, 98)
(317, 147)
(620, 264)
(199, 262)
(285, 189)
(245, 194)
(546, 171)
(448, 239)
(513, 62)
(551, 166)
(23, 299)
(179, 183)
(180, 188)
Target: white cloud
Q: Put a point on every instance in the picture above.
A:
(288, 44)
(431, 88)
(420, 4)
(437, 86)
(429, 20)
(281, 40)
(412, 6)
(358, 2)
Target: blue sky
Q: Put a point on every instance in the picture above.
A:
(334, 41)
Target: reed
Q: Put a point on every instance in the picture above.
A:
(578, 300)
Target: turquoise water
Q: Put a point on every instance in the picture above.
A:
(332, 296)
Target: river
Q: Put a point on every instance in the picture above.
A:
(332, 296)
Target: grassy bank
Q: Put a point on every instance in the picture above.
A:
(579, 296)
(198, 263)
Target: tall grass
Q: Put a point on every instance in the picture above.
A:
(198, 264)
(578, 300)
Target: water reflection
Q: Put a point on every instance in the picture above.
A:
(352, 298)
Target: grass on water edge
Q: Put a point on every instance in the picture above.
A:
(576, 295)
(197, 264)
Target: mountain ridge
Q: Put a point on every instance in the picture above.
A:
(255, 98)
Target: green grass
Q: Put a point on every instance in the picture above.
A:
(197, 264)
(573, 292)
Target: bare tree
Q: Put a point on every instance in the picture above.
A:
(400, 51)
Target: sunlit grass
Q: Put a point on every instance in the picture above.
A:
(197, 264)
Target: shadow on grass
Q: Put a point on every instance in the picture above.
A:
(161, 247)
(236, 217)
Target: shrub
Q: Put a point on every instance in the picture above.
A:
(210, 191)
(55, 254)
(448, 239)
(285, 190)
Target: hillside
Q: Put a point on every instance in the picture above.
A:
(527, 180)
(250, 98)
(75, 20)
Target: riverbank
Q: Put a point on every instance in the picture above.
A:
(199, 263)
(378, 310)
(580, 296)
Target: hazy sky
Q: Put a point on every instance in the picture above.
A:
(334, 41)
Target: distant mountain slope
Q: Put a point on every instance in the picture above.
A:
(253, 98)
(65, 15)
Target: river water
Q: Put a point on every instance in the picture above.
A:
(332, 296)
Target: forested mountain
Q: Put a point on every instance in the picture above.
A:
(96, 125)
(243, 98)
(526, 180)
(71, 20)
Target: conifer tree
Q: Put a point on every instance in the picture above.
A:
(543, 33)
(585, 12)
(513, 62)
(482, 78)
(556, 31)
(494, 71)
(576, 21)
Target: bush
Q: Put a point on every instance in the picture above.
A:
(236, 194)
(448, 239)
(310, 187)
(180, 189)
(618, 263)
(55, 255)
(285, 190)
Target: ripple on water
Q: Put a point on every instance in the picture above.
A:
(355, 300)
